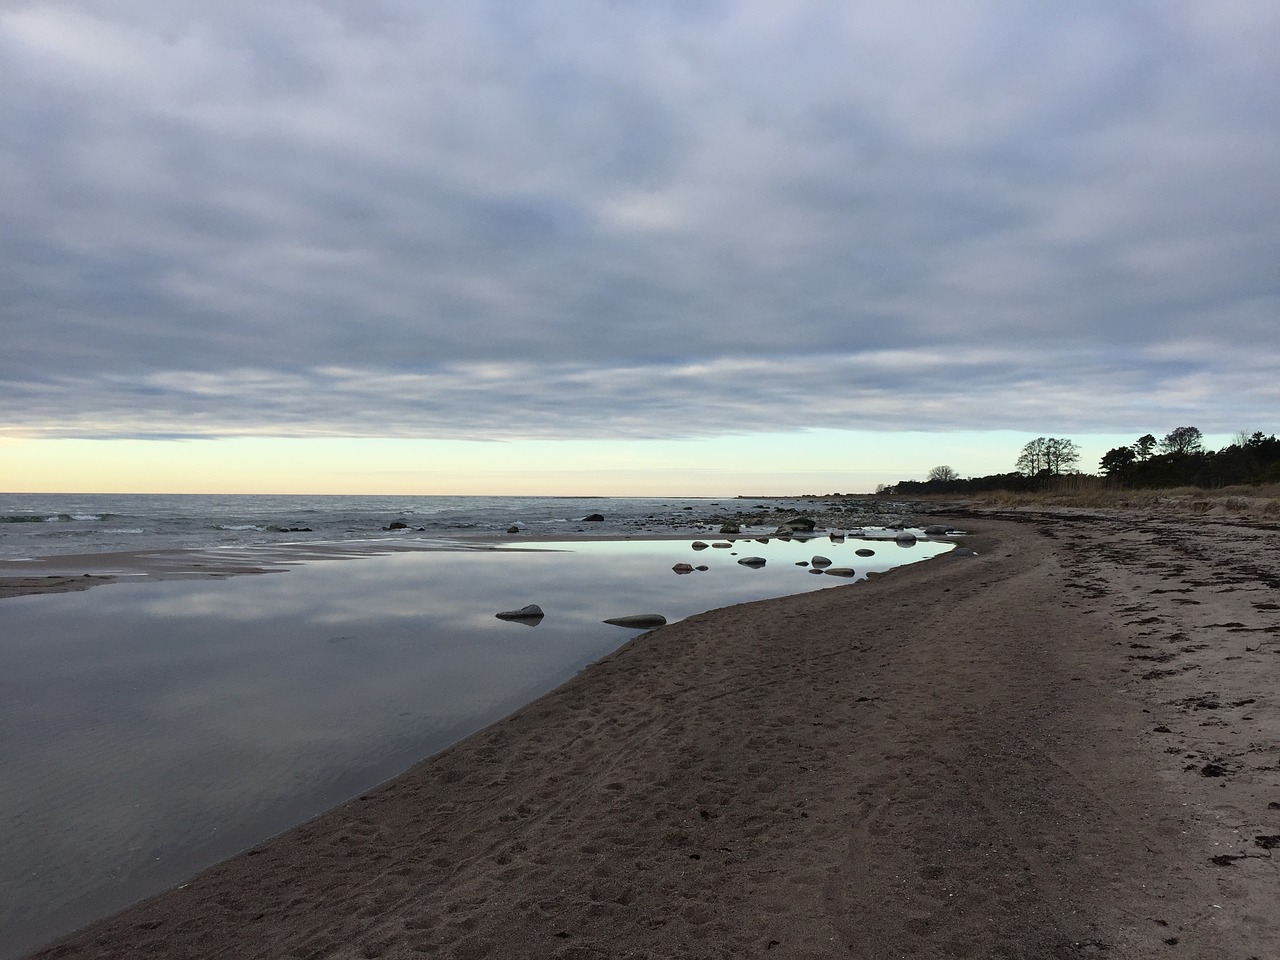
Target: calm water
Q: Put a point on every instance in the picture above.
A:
(152, 728)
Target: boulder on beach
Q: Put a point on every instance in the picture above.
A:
(396, 525)
(525, 614)
(753, 561)
(797, 525)
(593, 518)
(905, 539)
(730, 528)
(641, 621)
(513, 529)
(936, 530)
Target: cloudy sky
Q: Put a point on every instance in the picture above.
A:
(668, 246)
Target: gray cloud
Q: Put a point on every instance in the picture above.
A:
(592, 219)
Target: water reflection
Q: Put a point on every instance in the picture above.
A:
(152, 728)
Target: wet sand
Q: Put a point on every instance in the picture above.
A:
(1066, 746)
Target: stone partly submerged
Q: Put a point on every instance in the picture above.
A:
(865, 552)
(840, 572)
(753, 561)
(593, 518)
(641, 621)
(683, 568)
(820, 561)
(530, 614)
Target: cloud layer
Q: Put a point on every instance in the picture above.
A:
(595, 219)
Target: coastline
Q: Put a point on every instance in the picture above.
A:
(964, 757)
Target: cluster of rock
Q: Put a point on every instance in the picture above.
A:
(532, 615)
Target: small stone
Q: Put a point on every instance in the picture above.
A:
(641, 621)
(530, 612)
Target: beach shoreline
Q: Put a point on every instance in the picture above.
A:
(1002, 754)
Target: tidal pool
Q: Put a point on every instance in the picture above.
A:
(150, 729)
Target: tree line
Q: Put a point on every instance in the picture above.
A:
(1178, 459)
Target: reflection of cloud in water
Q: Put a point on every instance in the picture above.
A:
(150, 719)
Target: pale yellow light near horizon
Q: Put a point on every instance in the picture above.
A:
(818, 461)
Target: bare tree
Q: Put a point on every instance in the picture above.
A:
(1062, 455)
(1183, 440)
(943, 473)
(1053, 454)
(1032, 459)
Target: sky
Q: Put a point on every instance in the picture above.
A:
(690, 247)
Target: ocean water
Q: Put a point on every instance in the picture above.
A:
(152, 727)
(42, 525)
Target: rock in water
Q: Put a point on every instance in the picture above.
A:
(641, 621)
(531, 612)
(683, 568)
(593, 518)
(821, 561)
(839, 572)
(753, 561)
(864, 552)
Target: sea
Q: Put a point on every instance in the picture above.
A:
(155, 725)
(43, 525)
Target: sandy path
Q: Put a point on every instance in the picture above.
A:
(961, 758)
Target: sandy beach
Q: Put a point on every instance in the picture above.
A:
(1065, 746)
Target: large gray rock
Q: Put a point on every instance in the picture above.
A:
(753, 561)
(531, 612)
(936, 530)
(797, 525)
(730, 528)
(593, 518)
(642, 621)
(821, 561)
(683, 568)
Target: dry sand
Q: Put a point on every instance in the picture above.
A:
(1066, 746)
